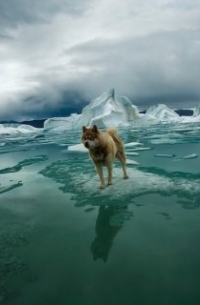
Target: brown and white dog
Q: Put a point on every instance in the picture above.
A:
(103, 148)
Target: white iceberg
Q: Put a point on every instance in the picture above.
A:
(163, 113)
(106, 110)
(60, 124)
(197, 111)
(110, 109)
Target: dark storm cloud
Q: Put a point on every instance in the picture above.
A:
(70, 102)
(56, 55)
(160, 65)
(16, 12)
(39, 107)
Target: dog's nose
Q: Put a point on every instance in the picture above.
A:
(86, 144)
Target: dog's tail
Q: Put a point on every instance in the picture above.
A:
(113, 133)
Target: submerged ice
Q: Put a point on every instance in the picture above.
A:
(79, 179)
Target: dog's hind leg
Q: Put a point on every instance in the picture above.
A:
(122, 158)
(100, 173)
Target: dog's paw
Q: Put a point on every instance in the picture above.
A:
(109, 183)
(126, 177)
(101, 186)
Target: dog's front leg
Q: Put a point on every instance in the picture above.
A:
(99, 169)
(109, 174)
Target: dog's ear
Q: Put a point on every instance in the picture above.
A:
(84, 128)
(95, 128)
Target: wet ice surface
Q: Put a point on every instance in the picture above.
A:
(64, 241)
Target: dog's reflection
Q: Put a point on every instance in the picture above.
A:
(105, 232)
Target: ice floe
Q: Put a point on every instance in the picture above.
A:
(131, 162)
(80, 179)
(192, 156)
(17, 129)
(81, 148)
(132, 144)
(132, 153)
(165, 155)
(78, 148)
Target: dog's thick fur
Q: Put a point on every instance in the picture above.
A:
(103, 148)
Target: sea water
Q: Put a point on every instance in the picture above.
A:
(65, 242)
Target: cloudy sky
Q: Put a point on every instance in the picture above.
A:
(56, 55)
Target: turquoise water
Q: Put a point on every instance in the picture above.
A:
(64, 241)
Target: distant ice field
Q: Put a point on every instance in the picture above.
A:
(64, 241)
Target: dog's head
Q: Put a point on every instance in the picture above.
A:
(90, 136)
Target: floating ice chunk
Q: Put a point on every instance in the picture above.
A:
(192, 156)
(63, 144)
(132, 144)
(165, 135)
(17, 129)
(142, 148)
(131, 162)
(132, 153)
(81, 148)
(190, 119)
(77, 147)
(164, 141)
(165, 155)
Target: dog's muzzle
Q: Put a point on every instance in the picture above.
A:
(86, 144)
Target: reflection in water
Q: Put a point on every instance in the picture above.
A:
(105, 232)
